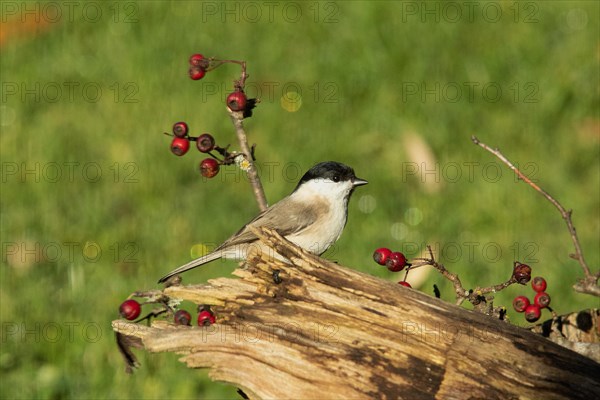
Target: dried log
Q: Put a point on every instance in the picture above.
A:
(327, 331)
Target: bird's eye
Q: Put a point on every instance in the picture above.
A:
(336, 178)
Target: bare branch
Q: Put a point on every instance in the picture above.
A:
(461, 293)
(587, 285)
(237, 118)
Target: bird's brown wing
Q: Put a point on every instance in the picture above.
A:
(285, 218)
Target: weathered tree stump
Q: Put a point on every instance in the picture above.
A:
(327, 331)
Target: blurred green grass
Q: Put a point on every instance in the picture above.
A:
(355, 64)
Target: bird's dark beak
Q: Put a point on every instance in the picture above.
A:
(359, 182)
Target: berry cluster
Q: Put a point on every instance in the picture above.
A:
(237, 102)
(205, 143)
(393, 260)
(198, 66)
(533, 311)
(130, 309)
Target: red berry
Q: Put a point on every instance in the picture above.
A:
(205, 143)
(180, 146)
(130, 309)
(236, 101)
(381, 255)
(206, 318)
(542, 299)
(196, 72)
(196, 60)
(209, 167)
(532, 313)
(404, 283)
(396, 261)
(182, 317)
(180, 129)
(522, 273)
(538, 284)
(520, 303)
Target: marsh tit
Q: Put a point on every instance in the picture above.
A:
(313, 216)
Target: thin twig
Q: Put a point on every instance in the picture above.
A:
(237, 117)
(590, 283)
(496, 288)
(475, 296)
(461, 293)
(259, 193)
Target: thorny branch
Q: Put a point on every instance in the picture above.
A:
(589, 284)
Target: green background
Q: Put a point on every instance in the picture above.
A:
(94, 206)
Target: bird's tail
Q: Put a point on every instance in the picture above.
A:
(192, 264)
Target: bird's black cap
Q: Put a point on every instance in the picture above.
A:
(332, 170)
